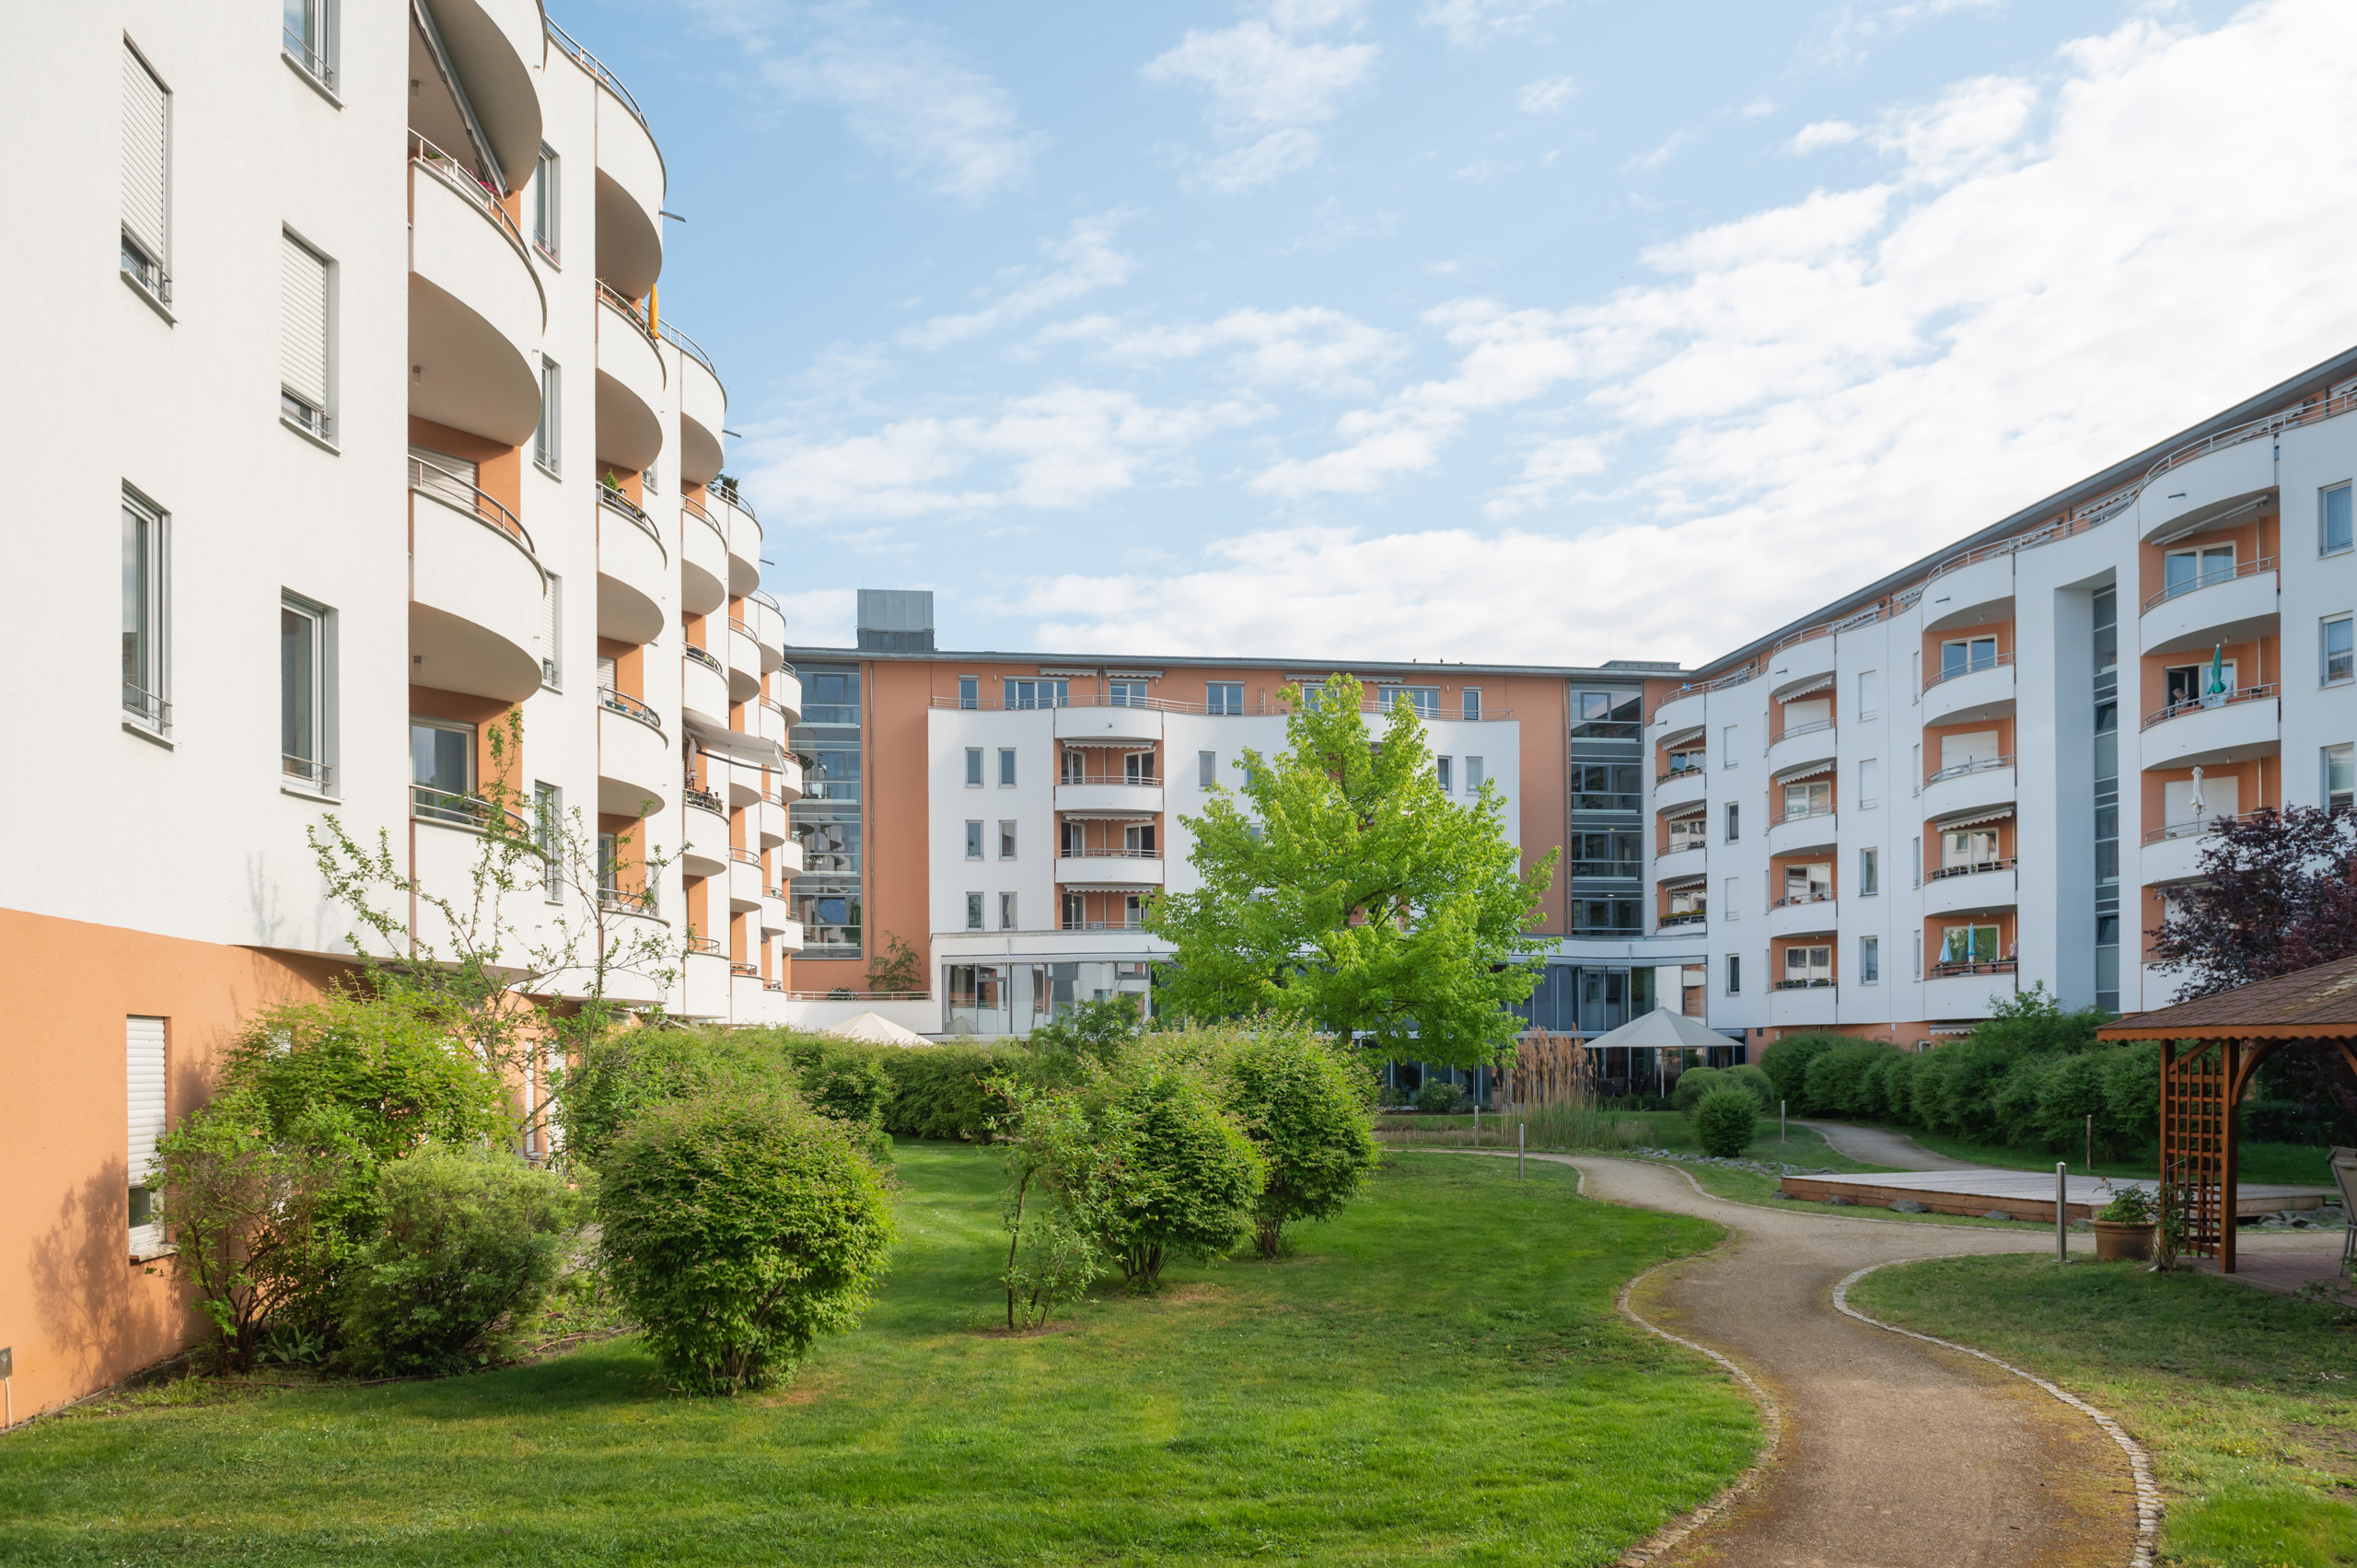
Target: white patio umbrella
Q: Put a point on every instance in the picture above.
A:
(876, 1029)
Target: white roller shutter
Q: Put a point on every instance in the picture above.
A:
(143, 1042)
(551, 626)
(303, 322)
(143, 164)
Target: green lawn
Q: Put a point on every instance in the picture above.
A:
(2248, 1403)
(1658, 1129)
(2297, 1165)
(1436, 1376)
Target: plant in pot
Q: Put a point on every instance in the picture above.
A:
(2124, 1229)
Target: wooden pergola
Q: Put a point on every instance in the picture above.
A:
(2210, 1048)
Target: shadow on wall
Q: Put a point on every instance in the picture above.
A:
(97, 1321)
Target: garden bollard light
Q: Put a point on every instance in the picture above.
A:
(1477, 1124)
(1518, 1131)
(2091, 1143)
(2061, 1213)
(1779, 1122)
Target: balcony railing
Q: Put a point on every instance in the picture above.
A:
(2211, 579)
(1819, 984)
(146, 270)
(1686, 917)
(462, 178)
(704, 658)
(1148, 782)
(311, 770)
(1694, 771)
(613, 500)
(148, 708)
(708, 799)
(1978, 765)
(629, 707)
(844, 994)
(1970, 869)
(1794, 900)
(690, 347)
(596, 68)
(708, 945)
(1262, 708)
(744, 858)
(726, 489)
(1102, 925)
(1970, 666)
(629, 308)
(1793, 731)
(443, 485)
(695, 508)
(745, 972)
(1680, 846)
(2194, 828)
(1949, 971)
(1109, 854)
(2225, 700)
(427, 804)
(628, 901)
(736, 625)
(1802, 813)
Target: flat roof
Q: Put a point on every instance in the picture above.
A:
(1626, 671)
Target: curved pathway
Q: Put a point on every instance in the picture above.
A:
(1895, 1453)
(1872, 1145)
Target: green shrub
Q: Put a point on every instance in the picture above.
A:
(1185, 1178)
(1095, 1027)
(2032, 1021)
(473, 1238)
(1841, 1080)
(2131, 1095)
(1786, 1063)
(737, 1228)
(1725, 1121)
(1692, 1085)
(1437, 1094)
(1895, 1084)
(1955, 1088)
(942, 1091)
(1308, 1109)
(2015, 1098)
(1762, 1087)
(383, 1070)
(620, 1075)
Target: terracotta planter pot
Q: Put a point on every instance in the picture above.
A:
(2118, 1243)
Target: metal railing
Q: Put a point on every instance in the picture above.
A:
(613, 500)
(709, 946)
(1802, 813)
(1262, 708)
(708, 799)
(745, 972)
(1804, 985)
(1147, 783)
(1687, 917)
(147, 707)
(695, 508)
(1101, 925)
(462, 178)
(314, 64)
(2194, 828)
(733, 496)
(1946, 971)
(628, 901)
(2211, 579)
(445, 486)
(689, 346)
(1109, 854)
(1978, 765)
(704, 658)
(596, 68)
(1793, 731)
(744, 856)
(844, 994)
(1794, 900)
(1680, 846)
(629, 308)
(427, 804)
(1971, 667)
(311, 770)
(144, 270)
(629, 707)
(1694, 771)
(736, 625)
(1970, 868)
(2336, 401)
(2225, 700)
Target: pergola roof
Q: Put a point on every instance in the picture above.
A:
(2319, 1003)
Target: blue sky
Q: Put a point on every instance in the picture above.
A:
(1536, 329)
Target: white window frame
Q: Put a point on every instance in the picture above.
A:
(1727, 748)
(1206, 770)
(2345, 756)
(973, 912)
(548, 437)
(298, 409)
(1007, 767)
(548, 833)
(1869, 960)
(146, 1042)
(311, 770)
(2324, 518)
(1442, 768)
(2347, 623)
(553, 634)
(1734, 822)
(147, 707)
(548, 204)
(1735, 974)
(1006, 913)
(1869, 871)
(973, 767)
(1731, 907)
(1005, 839)
(313, 57)
(973, 837)
(969, 691)
(146, 258)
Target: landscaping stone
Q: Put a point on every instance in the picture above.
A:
(1996, 1214)
(1841, 1202)
(1907, 1206)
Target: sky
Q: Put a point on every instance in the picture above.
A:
(1529, 330)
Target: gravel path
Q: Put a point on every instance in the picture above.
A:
(1872, 1145)
(1894, 1452)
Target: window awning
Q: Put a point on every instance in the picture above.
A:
(1681, 737)
(1677, 884)
(1691, 808)
(1139, 888)
(1821, 683)
(1129, 743)
(1805, 771)
(1111, 814)
(1976, 818)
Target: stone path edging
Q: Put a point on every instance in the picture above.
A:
(2148, 1494)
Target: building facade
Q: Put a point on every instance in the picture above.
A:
(382, 447)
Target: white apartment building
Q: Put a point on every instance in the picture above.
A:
(340, 323)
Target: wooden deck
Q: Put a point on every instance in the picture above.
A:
(2023, 1194)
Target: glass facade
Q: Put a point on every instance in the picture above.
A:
(2106, 697)
(825, 820)
(1604, 844)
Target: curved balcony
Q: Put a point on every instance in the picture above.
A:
(1115, 869)
(706, 853)
(777, 910)
(1800, 660)
(785, 690)
(1977, 593)
(704, 561)
(1969, 692)
(769, 628)
(1689, 922)
(2248, 723)
(786, 780)
(476, 311)
(785, 857)
(763, 719)
(1800, 746)
(1969, 786)
(1795, 1006)
(744, 789)
(1675, 863)
(703, 689)
(633, 571)
(703, 984)
(743, 549)
(745, 879)
(1680, 713)
(704, 410)
(494, 46)
(1807, 832)
(630, 384)
(1110, 798)
(629, 178)
(2239, 606)
(1990, 885)
(1680, 787)
(2207, 480)
(789, 936)
(476, 589)
(743, 658)
(1108, 725)
(769, 824)
(1801, 916)
(1967, 991)
(637, 771)
(2173, 854)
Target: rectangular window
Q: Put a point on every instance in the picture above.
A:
(553, 634)
(1006, 912)
(1919, 955)
(303, 338)
(1206, 769)
(1965, 655)
(2190, 683)
(547, 203)
(1687, 833)
(2182, 570)
(442, 771)
(1808, 797)
(1137, 767)
(1869, 694)
(969, 691)
(311, 38)
(1473, 707)
(146, 177)
(2339, 654)
(1075, 765)
(547, 834)
(2340, 778)
(548, 442)
(1473, 775)
(302, 693)
(1441, 769)
(973, 912)
(1869, 784)
(1224, 696)
(1425, 700)
(1125, 693)
(144, 1084)
(1967, 945)
(2333, 520)
(973, 767)
(973, 841)
(143, 616)
(1735, 974)
(1735, 821)
(608, 672)
(1006, 765)
(1007, 841)
(1731, 907)
(1808, 966)
(1869, 872)
(1138, 840)
(1039, 693)
(1726, 746)
(1869, 960)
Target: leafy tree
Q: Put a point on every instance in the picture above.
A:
(1355, 894)
(1310, 1110)
(1095, 1027)
(1060, 1183)
(2034, 1021)
(896, 969)
(1726, 1122)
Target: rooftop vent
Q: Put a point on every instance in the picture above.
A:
(896, 621)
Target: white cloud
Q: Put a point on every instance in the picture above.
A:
(1847, 32)
(1269, 86)
(1482, 172)
(1652, 158)
(1473, 23)
(904, 96)
(821, 618)
(1086, 263)
(1822, 133)
(1307, 347)
(1547, 96)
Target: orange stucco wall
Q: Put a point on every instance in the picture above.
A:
(77, 1313)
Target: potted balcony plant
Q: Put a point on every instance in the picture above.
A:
(2124, 1229)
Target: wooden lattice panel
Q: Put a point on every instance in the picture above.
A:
(2196, 1147)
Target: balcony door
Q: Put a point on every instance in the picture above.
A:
(1137, 767)
(2197, 568)
(2190, 682)
(1807, 884)
(1138, 838)
(1968, 847)
(1968, 945)
(1808, 797)
(1808, 966)
(1967, 653)
(2220, 797)
(1977, 749)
